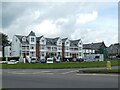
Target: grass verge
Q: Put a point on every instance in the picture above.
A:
(115, 71)
(59, 65)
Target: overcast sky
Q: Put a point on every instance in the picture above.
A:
(89, 21)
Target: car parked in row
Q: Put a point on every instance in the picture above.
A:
(42, 60)
(12, 62)
(49, 60)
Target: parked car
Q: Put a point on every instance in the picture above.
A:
(34, 60)
(49, 60)
(80, 59)
(74, 60)
(42, 60)
(58, 60)
(12, 62)
(3, 62)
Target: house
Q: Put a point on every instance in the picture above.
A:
(72, 48)
(87, 49)
(40, 46)
(97, 48)
(114, 50)
(24, 45)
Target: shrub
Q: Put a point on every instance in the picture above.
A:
(10, 58)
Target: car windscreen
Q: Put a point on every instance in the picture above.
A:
(49, 60)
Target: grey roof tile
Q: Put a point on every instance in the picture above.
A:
(51, 41)
(20, 38)
(74, 43)
(31, 33)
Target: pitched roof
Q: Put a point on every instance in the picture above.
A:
(31, 33)
(87, 46)
(64, 39)
(51, 41)
(114, 48)
(20, 38)
(94, 46)
(74, 43)
(38, 38)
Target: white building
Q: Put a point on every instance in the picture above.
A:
(72, 48)
(34, 46)
(24, 45)
(7, 51)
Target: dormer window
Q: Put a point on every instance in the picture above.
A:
(24, 39)
(59, 42)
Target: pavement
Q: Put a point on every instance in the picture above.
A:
(56, 78)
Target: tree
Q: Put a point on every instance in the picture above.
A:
(5, 42)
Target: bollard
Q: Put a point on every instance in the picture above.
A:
(108, 65)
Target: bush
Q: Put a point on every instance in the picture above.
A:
(10, 58)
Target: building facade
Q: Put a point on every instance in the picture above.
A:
(34, 46)
(7, 51)
(95, 48)
(114, 51)
(72, 48)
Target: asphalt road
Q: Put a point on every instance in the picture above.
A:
(56, 78)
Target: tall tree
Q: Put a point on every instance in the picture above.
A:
(4, 42)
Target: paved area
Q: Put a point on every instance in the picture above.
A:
(56, 78)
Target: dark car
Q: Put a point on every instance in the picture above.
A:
(80, 59)
(42, 61)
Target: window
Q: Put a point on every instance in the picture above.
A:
(32, 54)
(42, 41)
(42, 53)
(42, 47)
(32, 47)
(79, 54)
(66, 43)
(16, 40)
(32, 39)
(67, 48)
(67, 54)
(59, 42)
(23, 39)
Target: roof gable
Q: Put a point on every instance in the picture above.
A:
(74, 43)
(31, 33)
(51, 41)
(20, 38)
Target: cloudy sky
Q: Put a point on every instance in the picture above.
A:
(90, 21)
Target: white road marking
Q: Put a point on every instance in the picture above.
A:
(69, 72)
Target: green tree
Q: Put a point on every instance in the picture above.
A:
(4, 42)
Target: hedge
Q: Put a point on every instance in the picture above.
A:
(9, 58)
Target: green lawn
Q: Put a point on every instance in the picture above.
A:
(100, 71)
(60, 65)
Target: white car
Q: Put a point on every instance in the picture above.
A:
(12, 62)
(3, 62)
(49, 60)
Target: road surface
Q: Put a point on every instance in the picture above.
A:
(56, 78)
